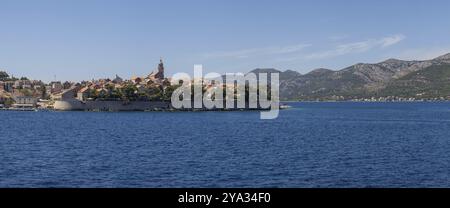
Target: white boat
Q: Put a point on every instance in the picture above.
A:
(285, 106)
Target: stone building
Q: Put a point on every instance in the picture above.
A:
(25, 102)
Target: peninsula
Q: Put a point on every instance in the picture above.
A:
(390, 80)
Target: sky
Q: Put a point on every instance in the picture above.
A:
(85, 39)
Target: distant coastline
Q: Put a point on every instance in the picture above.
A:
(389, 81)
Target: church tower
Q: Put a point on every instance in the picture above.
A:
(160, 74)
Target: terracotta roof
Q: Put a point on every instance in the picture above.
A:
(84, 89)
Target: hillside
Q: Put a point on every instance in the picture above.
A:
(407, 79)
(431, 82)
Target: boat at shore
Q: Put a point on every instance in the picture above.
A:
(283, 106)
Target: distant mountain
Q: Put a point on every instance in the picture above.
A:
(286, 75)
(396, 78)
(431, 82)
(265, 70)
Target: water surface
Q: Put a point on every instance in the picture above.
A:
(310, 145)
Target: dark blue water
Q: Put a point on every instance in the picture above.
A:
(310, 145)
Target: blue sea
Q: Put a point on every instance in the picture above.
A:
(309, 145)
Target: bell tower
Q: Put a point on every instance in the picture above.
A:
(160, 74)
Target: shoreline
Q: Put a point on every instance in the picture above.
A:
(156, 110)
(283, 106)
(362, 101)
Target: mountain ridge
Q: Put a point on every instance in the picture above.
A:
(369, 80)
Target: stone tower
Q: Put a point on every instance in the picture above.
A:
(160, 73)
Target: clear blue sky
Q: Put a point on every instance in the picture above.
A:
(85, 39)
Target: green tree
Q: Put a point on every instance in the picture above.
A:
(43, 90)
(9, 102)
(3, 76)
(129, 92)
(155, 93)
(116, 94)
(93, 94)
(168, 91)
(26, 92)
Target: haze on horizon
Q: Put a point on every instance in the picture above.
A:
(81, 40)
